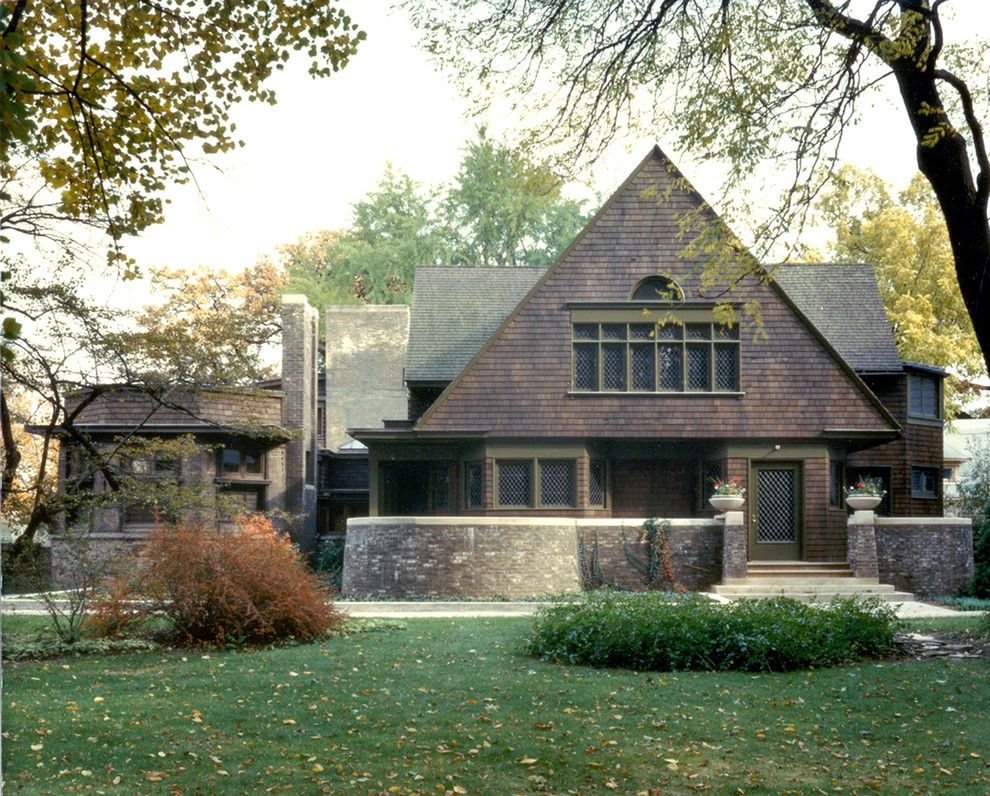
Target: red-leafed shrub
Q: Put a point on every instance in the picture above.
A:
(216, 585)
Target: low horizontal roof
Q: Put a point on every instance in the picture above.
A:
(843, 301)
(455, 310)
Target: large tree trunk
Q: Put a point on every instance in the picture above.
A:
(11, 453)
(944, 160)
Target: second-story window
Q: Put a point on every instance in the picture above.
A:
(645, 357)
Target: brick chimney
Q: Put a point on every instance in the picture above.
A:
(299, 374)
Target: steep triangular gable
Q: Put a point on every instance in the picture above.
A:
(519, 383)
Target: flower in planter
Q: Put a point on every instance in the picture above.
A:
(728, 486)
(866, 487)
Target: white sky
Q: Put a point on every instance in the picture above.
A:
(326, 143)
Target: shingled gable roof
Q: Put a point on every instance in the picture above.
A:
(627, 235)
(843, 301)
(455, 310)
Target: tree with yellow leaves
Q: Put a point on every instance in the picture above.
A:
(903, 235)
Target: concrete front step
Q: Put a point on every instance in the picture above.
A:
(805, 588)
(799, 569)
(808, 596)
(786, 582)
(791, 574)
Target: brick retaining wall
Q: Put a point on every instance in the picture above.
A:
(459, 557)
(510, 557)
(90, 557)
(695, 550)
(926, 555)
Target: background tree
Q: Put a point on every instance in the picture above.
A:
(745, 83)
(208, 328)
(903, 236)
(105, 105)
(109, 101)
(505, 209)
(502, 209)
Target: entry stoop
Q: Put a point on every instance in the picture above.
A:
(805, 581)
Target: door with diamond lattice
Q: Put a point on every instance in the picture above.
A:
(775, 513)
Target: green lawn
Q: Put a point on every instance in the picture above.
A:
(452, 706)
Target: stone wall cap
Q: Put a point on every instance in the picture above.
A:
(573, 522)
(922, 521)
(628, 522)
(366, 308)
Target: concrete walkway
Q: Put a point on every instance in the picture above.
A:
(29, 604)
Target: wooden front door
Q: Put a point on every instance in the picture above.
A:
(775, 513)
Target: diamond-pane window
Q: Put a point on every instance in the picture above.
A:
(668, 357)
(726, 368)
(514, 483)
(613, 367)
(439, 487)
(474, 484)
(586, 366)
(596, 482)
(699, 331)
(556, 482)
(699, 375)
(643, 364)
(671, 367)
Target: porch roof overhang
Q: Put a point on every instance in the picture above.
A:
(860, 438)
(262, 433)
(408, 434)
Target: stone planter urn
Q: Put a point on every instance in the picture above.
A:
(727, 502)
(863, 502)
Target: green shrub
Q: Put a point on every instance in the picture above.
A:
(984, 627)
(664, 631)
(980, 585)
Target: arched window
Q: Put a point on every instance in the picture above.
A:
(657, 288)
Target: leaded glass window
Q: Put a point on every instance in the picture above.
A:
(556, 482)
(440, 487)
(474, 485)
(641, 357)
(514, 482)
(536, 483)
(699, 368)
(596, 482)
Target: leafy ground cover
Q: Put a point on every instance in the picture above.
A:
(657, 631)
(453, 706)
(964, 603)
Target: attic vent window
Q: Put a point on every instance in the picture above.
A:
(657, 288)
